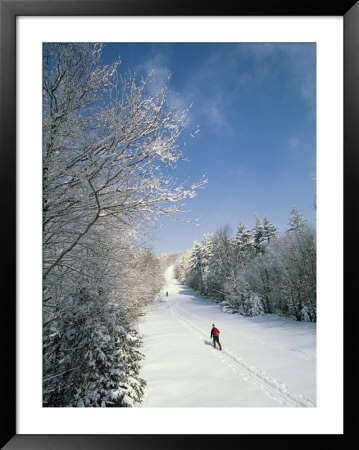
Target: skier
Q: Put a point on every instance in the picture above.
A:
(215, 336)
(166, 294)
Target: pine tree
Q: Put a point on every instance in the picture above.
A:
(244, 243)
(263, 233)
(297, 222)
(258, 234)
(194, 277)
(269, 230)
(207, 257)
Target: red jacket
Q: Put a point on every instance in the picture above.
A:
(214, 332)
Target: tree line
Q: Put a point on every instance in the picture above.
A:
(109, 146)
(256, 271)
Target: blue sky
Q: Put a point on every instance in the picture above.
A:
(255, 105)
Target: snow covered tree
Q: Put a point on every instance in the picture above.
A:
(109, 146)
(244, 239)
(182, 268)
(91, 347)
(207, 257)
(258, 234)
(222, 259)
(293, 274)
(244, 247)
(252, 305)
(235, 286)
(256, 271)
(194, 274)
(236, 290)
(269, 230)
(297, 222)
(264, 232)
(91, 355)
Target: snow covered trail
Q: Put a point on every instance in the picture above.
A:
(265, 362)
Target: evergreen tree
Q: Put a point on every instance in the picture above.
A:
(269, 230)
(258, 234)
(207, 259)
(263, 233)
(194, 277)
(297, 222)
(244, 243)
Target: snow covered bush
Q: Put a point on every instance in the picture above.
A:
(89, 359)
(253, 305)
(305, 314)
(228, 307)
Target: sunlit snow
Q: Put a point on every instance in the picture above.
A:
(266, 361)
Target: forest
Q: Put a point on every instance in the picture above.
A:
(257, 271)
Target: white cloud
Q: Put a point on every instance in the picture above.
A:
(157, 67)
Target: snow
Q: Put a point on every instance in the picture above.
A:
(266, 361)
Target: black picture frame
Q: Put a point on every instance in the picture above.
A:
(9, 10)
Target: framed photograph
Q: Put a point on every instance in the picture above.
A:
(207, 46)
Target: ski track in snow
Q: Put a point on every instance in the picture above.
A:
(274, 388)
(270, 386)
(300, 353)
